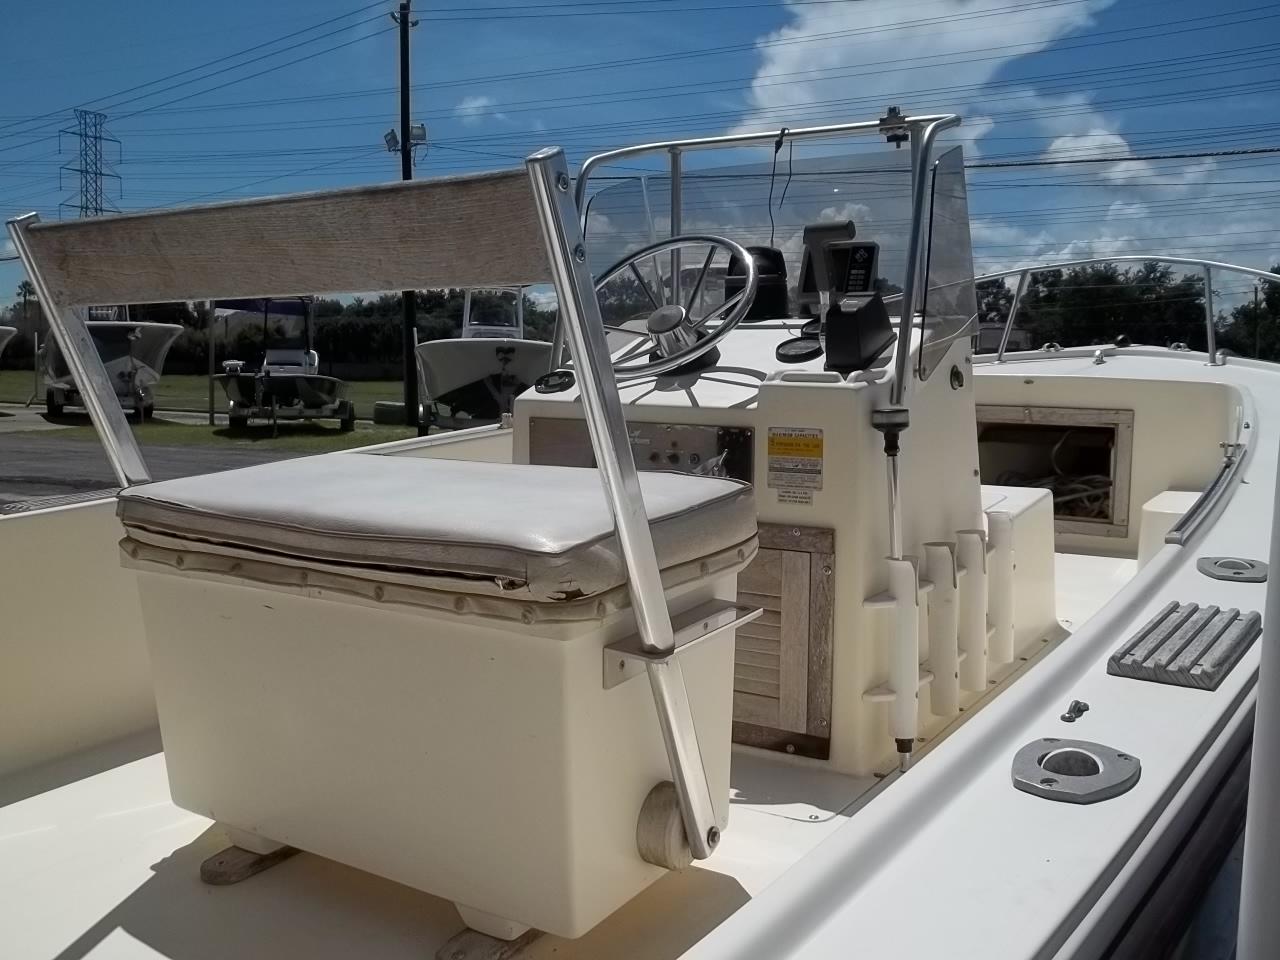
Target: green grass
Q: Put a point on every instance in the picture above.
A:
(191, 392)
(16, 386)
(298, 437)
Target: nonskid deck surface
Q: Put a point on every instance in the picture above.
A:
(100, 863)
(97, 862)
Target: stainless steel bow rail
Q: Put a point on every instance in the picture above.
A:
(1206, 268)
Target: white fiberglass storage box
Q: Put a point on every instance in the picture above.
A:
(397, 663)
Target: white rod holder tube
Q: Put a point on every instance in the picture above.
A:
(971, 549)
(602, 408)
(904, 661)
(1000, 589)
(944, 626)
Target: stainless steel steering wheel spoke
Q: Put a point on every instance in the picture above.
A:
(671, 333)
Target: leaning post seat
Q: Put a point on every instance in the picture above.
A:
(397, 663)
(428, 670)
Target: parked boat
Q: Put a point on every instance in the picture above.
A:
(472, 380)
(286, 384)
(902, 695)
(132, 354)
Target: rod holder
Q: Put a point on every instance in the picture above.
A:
(971, 550)
(1000, 588)
(904, 660)
(944, 625)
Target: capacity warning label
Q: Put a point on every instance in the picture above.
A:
(795, 463)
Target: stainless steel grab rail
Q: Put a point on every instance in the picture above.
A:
(1206, 266)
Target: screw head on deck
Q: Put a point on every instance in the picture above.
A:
(713, 837)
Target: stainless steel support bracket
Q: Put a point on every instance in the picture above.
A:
(627, 658)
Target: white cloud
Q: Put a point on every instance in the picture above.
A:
(875, 53)
(474, 109)
(836, 39)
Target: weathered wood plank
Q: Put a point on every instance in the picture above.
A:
(763, 574)
(793, 697)
(468, 231)
(474, 945)
(752, 708)
(759, 687)
(234, 864)
(777, 536)
(821, 614)
(764, 601)
(770, 738)
(760, 631)
(751, 672)
(758, 644)
(754, 658)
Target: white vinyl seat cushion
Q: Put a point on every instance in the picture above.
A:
(545, 530)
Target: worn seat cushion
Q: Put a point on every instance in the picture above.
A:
(545, 530)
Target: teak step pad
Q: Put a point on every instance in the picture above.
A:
(474, 945)
(1187, 645)
(235, 864)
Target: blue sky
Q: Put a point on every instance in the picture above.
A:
(1036, 80)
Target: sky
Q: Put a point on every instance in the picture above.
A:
(213, 101)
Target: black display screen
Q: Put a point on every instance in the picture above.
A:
(853, 270)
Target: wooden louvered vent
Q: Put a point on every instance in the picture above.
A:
(782, 670)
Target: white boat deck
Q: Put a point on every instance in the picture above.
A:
(96, 862)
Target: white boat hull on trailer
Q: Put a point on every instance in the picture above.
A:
(453, 700)
(133, 355)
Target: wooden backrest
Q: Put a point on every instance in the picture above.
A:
(467, 231)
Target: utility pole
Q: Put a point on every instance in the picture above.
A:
(410, 330)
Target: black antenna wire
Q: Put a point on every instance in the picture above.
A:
(773, 175)
(791, 166)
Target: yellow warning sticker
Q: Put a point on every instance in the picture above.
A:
(795, 463)
(795, 442)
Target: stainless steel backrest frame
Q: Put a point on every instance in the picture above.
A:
(478, 230)
(96, 390)
(579, 315)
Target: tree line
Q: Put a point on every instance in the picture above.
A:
(1149, 303)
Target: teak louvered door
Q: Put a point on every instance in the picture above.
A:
(782, 670)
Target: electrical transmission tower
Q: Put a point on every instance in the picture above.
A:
(92, 167)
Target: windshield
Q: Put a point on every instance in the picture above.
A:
(755, 205)
(257, 325)
(758, 204)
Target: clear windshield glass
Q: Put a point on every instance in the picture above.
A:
(950, 303)
(753, 205)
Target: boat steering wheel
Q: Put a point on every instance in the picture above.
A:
(672, 336)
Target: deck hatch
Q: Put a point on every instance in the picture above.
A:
(1187, 645)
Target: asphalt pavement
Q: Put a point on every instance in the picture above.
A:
(39, 463)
